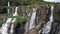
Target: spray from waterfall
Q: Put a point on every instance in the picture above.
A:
(47, 27)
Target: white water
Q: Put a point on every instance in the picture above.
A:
(26, 26)
(4, 28)
(56, 1)
(27, 23)
(8, 6)
(32, 20)
(12, 29)
(14, 19)
(47, 27)
(15, 14)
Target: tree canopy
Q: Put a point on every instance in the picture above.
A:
(18, 2)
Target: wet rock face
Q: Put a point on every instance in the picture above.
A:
(43, 10)
(19, 28)
(54, 29)
(22, 10)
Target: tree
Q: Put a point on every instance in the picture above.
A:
(17, 2)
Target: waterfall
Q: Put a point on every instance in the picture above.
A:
(32, 20)
(27, 24)
(47, 27)
(15, 14)
(12, 29)
(14, 19)
(28, 19)
(8, 3)
(8, 8)
(5, 26)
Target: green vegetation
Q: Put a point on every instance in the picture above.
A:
(7, 16)
(23, 2)
(20, 20)
(18, 2)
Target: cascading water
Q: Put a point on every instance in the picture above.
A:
(8, 6)
(32, 20)
(27, 24)
(15, 14)
(14, 19)
(5, 26)
(47, 27)
(12, 29)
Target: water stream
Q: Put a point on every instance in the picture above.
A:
(5, 26)
(15, 14)
(32, 20)
(47, 27)
(8, 8)
(14, 19)
(12, 26)
(27, 24)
